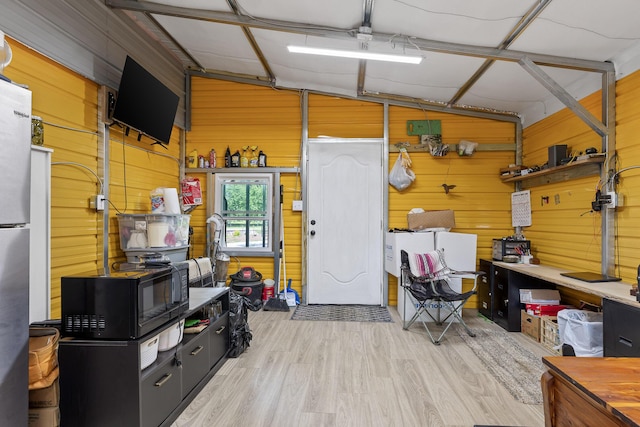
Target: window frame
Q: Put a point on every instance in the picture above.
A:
(224, 178)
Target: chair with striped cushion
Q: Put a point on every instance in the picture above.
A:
(426, 279)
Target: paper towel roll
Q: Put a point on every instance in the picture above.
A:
(171, 201)
(157, 232)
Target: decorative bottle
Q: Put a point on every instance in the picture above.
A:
(227, 158)
(212, 158)
(262, 160)
(253, 160)
(244, 159)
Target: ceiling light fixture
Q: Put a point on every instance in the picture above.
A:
(356, 54)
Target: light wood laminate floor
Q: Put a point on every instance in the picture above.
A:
(314, 373)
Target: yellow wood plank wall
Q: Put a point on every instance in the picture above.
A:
(480, 200)
(67, 103)
(226, 113)
(67, 99)
(135, 169)
(233, 114)
(565, 232)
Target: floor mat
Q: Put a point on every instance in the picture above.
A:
(517, 368)
(342, 313)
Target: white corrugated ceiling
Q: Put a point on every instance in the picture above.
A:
(470, 48)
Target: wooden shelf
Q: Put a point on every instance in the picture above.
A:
(578, 169)
(269, 169)
(424, 148)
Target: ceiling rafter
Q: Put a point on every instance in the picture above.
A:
(363, 35)
(526, 20)
(529, 61)
(252, 42)
(351, 34)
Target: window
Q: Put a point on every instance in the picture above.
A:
(245, 201)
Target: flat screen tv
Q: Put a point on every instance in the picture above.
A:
(144, 104)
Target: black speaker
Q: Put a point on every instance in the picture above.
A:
(557, 153)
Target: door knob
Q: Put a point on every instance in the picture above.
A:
(313, 232)
(313, 222)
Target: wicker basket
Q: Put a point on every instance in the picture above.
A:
(43, 357)
(549, 335)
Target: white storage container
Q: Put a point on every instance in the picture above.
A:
(149, 351)
(142, 231)
(171, 337)
(582, 330)
(173, 254)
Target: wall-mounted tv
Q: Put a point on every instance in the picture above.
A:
(144, 104)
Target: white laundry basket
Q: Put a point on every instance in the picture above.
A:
(582, 330)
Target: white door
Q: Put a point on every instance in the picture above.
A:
(344, 221)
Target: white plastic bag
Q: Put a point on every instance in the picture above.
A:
(400, 176)
(582, 330)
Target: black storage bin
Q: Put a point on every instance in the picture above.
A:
(621, 335)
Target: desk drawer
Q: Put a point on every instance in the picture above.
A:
(621, 334)
(160, 393)
(195, 361)
(219, 338)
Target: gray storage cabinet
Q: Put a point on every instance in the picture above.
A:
(621, 335)
(101, 383)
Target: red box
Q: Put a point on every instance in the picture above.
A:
(544, 309)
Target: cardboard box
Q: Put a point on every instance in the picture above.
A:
(431, 219)
(539, 296)
(44, 417)
(531, 325)
(45, 397)
(545, 309)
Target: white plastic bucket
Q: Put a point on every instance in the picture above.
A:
(268, 291)
(582, 330)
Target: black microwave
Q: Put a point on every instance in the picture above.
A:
(122, 304)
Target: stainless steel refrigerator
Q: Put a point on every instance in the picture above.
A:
(15, 173)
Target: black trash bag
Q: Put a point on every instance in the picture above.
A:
(239, 332)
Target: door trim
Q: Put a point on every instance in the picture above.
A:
(303, 179)
(383, 213)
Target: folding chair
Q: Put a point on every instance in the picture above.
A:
(427, 284)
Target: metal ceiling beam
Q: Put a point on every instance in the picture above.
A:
(253, 43)
(565, 97)
(397, 100)
(526, 20)
(351, 34)
(363, 36)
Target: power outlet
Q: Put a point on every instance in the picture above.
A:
(297, 206)
(97, 202)
(614, 200)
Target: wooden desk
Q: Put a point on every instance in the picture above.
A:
(585, 391)
(613, 290)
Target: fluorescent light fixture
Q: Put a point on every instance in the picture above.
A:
(357, 54)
